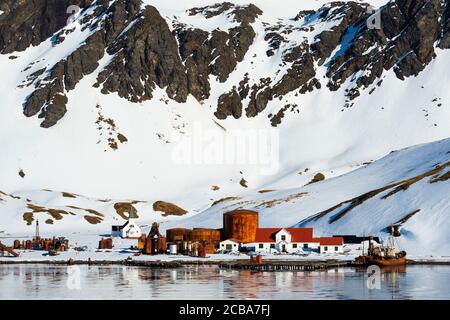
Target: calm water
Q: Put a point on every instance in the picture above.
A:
(208, 282)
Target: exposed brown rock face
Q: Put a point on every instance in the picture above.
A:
(147, 56)
(29, 22)
(183, 60)
(217, 53)
(168, 209)
(126, 210)
(49, 99)
(229, 104)
(405, 44)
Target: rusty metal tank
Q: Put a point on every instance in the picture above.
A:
(28, 245)
(176, 234)
(148, 247)
(16, 244)
(206, 236)
(162, 245)
(109, 243)
(240, 224)
(105, 244)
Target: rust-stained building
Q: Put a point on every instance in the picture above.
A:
(105, 244)
(176, 234)
(185, 238)
(240, 224)
(154, 242)
(205, 236)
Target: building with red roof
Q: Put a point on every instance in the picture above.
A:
(292, 240)
(331, 245)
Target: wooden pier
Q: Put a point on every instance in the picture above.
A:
(285, 265)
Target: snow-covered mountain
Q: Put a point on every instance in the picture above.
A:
(131, 102)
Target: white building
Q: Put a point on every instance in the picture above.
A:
(287, 240)
(130, 230)
(331, 245)
(292, 240)
(232, 245)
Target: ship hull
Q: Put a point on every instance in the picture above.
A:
(389, 262)
(382, 262)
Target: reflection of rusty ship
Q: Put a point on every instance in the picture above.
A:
(382, 256)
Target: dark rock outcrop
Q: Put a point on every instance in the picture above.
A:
(405, 43)
(143, 58)
(148, 53)
(229, 105)
(29, 22)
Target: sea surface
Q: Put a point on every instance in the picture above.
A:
(28, 281)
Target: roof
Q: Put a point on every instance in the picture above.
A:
(297, 234)
(353, 239)
(331, 241)
(241, 211)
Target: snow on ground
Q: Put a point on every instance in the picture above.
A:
(73, 155)
(423, 233)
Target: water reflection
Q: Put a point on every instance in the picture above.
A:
(210, 282)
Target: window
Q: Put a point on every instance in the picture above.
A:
(283, 237)
(305, 246)
(234, 245)
(229, 247)
(294, 245)
(272, 245)
(261, 246)
(325, 248)
(336, 249)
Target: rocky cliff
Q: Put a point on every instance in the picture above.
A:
(149, 50)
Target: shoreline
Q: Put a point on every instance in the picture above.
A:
(236, 264)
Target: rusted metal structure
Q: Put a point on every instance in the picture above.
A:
(198, 250)
(6, 249)
(148, 246)
(240, 224)
(105, 244)
(154, 243)
(205, 236)
(210, 248)
(162, 245)
(58, 244)
(176, 234)
(386, 255)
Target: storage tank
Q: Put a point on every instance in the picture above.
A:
(16, 244)
(176, 234)
(148, 246)
(173, 249)
(162, 245)
(240, 224)
(207, 236)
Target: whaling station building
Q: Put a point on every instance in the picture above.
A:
(130, 230)
(241, 231)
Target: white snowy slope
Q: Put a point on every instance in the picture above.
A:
(163, 159)
(409, 188)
